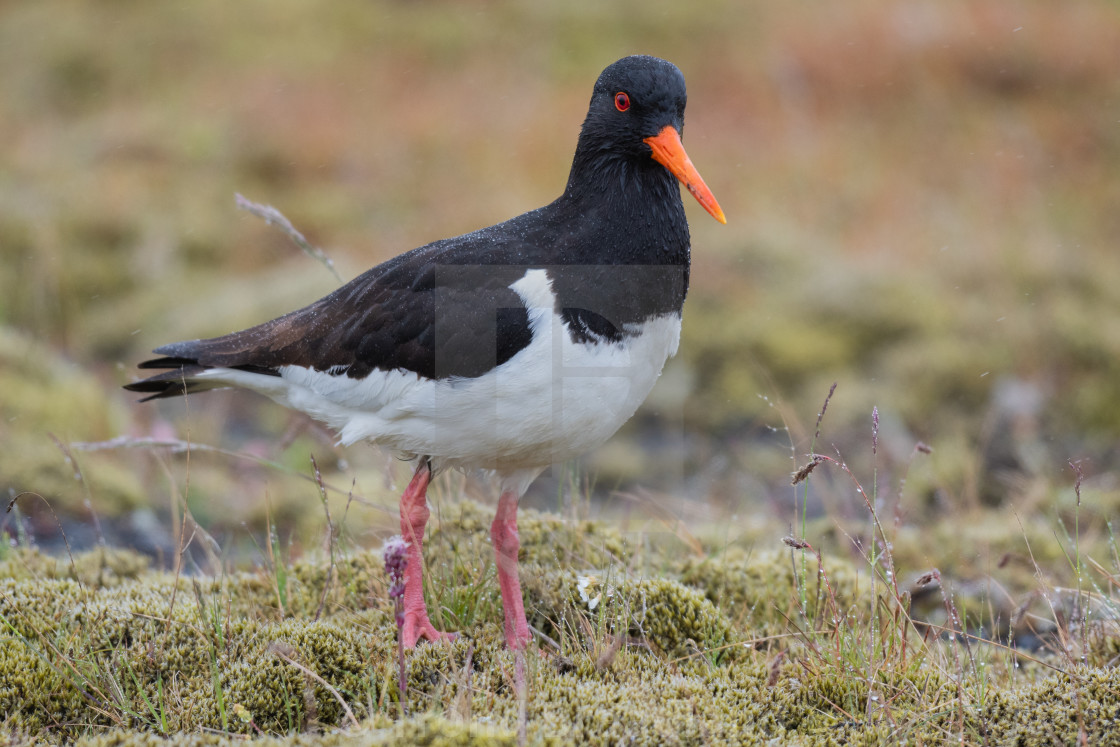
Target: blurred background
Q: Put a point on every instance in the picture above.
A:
(923, 203)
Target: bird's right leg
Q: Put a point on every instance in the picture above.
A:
(414, 518)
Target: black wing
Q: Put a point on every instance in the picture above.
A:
(422, 311)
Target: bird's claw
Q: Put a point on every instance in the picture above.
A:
(419, 626)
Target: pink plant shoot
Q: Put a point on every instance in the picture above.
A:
(395, 555)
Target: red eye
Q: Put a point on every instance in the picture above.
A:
(621, 101)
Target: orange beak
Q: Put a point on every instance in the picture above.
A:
(669, 152)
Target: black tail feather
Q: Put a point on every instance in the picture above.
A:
(173, 383)
(179, 378)
(169, 362)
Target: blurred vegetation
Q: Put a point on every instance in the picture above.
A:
(922, 208)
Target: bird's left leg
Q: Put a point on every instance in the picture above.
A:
(414, 519)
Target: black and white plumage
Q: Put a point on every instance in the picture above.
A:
(509, 348)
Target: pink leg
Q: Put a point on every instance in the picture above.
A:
(503, 534)
(414, 517)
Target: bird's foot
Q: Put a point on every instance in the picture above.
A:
(417, 625)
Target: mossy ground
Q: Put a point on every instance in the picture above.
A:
(716, 648)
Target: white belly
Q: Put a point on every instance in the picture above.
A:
(552, 401)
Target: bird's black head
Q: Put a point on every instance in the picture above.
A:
(635, 98)
(633, 130)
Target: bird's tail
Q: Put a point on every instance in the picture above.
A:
(176, 381)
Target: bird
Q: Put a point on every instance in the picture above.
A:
(504, 350)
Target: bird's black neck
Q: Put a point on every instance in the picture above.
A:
(636, 243)
(636, 202)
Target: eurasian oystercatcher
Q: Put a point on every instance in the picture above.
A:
(507, 349)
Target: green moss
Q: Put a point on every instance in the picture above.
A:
(37, 690)
(434, 731)
(464, 531)
(104, 566)
(759, 591)
(1079, 706)
(135, 645)
(428, 730)
(654, 705)
(282, 698)
(673, 619)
